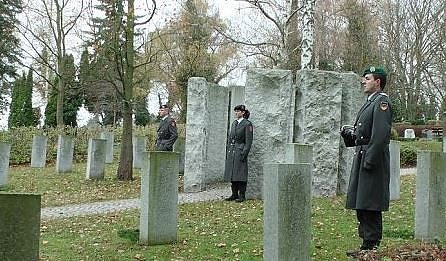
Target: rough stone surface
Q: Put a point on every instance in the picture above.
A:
(180, 147)
(395, 181)
(237, 94)
(430, 203)
(5, 149)
(206, 134)
(65, 150)
(139, 148)
(287, 212)
(109, 146)
(20, 226)
(269, 96)
(324, 102)
(299, 153)
(159, 198)
(38, 152)
(96, 159)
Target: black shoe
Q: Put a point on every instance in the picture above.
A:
(370, 245)
(231, 198)
(240, 199)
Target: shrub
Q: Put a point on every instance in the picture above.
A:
(408, 155)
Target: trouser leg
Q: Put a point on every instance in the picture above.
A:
(241, 191)
(234, 190)
(370, 227)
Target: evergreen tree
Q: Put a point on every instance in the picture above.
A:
(16, 102)
(21, 111)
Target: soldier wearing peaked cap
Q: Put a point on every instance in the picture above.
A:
(368, 189)
(167, 130)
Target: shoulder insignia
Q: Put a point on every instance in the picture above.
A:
(250, 128)
(173, 123)
(384, 105)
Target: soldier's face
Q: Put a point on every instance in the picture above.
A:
(163, 112)
(370, 84)
(238, 114)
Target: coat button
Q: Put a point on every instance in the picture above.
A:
(360, 151)
(362, 137)
(354, 153)
(359, 124)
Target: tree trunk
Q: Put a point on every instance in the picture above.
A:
(307, 33)
(125, 169)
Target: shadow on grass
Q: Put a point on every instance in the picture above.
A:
(129, 234)
(402, 233)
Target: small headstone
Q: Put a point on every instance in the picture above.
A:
(109, 146)
(287, 211)
(65, 150)
(139, 147)
(159, 198)
(180, 147)
(395, 181)
(409, 134)
(5, 149)
(430, 204)
(96, 159)
(444, 144)
(429, 134)
(38, 154)
(19, 226)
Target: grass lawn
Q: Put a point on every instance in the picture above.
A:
(69, 188)
(221, 230)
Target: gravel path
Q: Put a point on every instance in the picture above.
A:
(216, 192)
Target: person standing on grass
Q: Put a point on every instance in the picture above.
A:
(368, 189)
(167, 131)
(239, 145)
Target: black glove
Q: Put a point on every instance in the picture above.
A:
(348, 134)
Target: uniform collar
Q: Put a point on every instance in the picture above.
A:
(371, 96)
(165, 117)
(240, 120)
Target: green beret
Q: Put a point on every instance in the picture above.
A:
(375, 70)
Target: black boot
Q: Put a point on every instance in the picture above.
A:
(242, 190)
(234, 190)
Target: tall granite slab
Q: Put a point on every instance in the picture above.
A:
(5, 150)
(38, 151)
(180, 147)
(444, 143)
(65, 150)
(430, 203)
(324, 102)
(109, 146)
(269, 96)
(236, 97)
(159, 198)
(298, 153)
(20, 226)
(96, 159)
(139, 148)
(287, 212)
(395, 180)
(206, 134)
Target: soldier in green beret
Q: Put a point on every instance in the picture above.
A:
(368, 189)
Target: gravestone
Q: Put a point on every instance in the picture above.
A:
(65, 150)
(269, 96)
(287, 212)
(139, 148)
(20, 226)
(298, 153)
(180, 146)
(206, 133)
(444, 144)
(430, 204)
(96, 159)
(394, 186)
(159, 198)
(409, 134)
(5, 149)
(324, 102)
(109, 146)
(38, 153)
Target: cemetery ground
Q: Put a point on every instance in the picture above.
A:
(214, 230)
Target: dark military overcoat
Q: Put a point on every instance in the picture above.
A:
(370, 175)
(239, 145)
(166, 134)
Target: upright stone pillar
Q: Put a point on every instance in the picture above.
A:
(5, 149)
(287, 212)
(20, 226)
(139, 148)
(430, 207)
(237, 94)
(395, 180)
(269, 96)
(159, 198)
(180, 147)
(65, 150)
(206, 134)
(444, 143)
(96, 159)
(38, 153)
(109, 146)
(324, 102)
